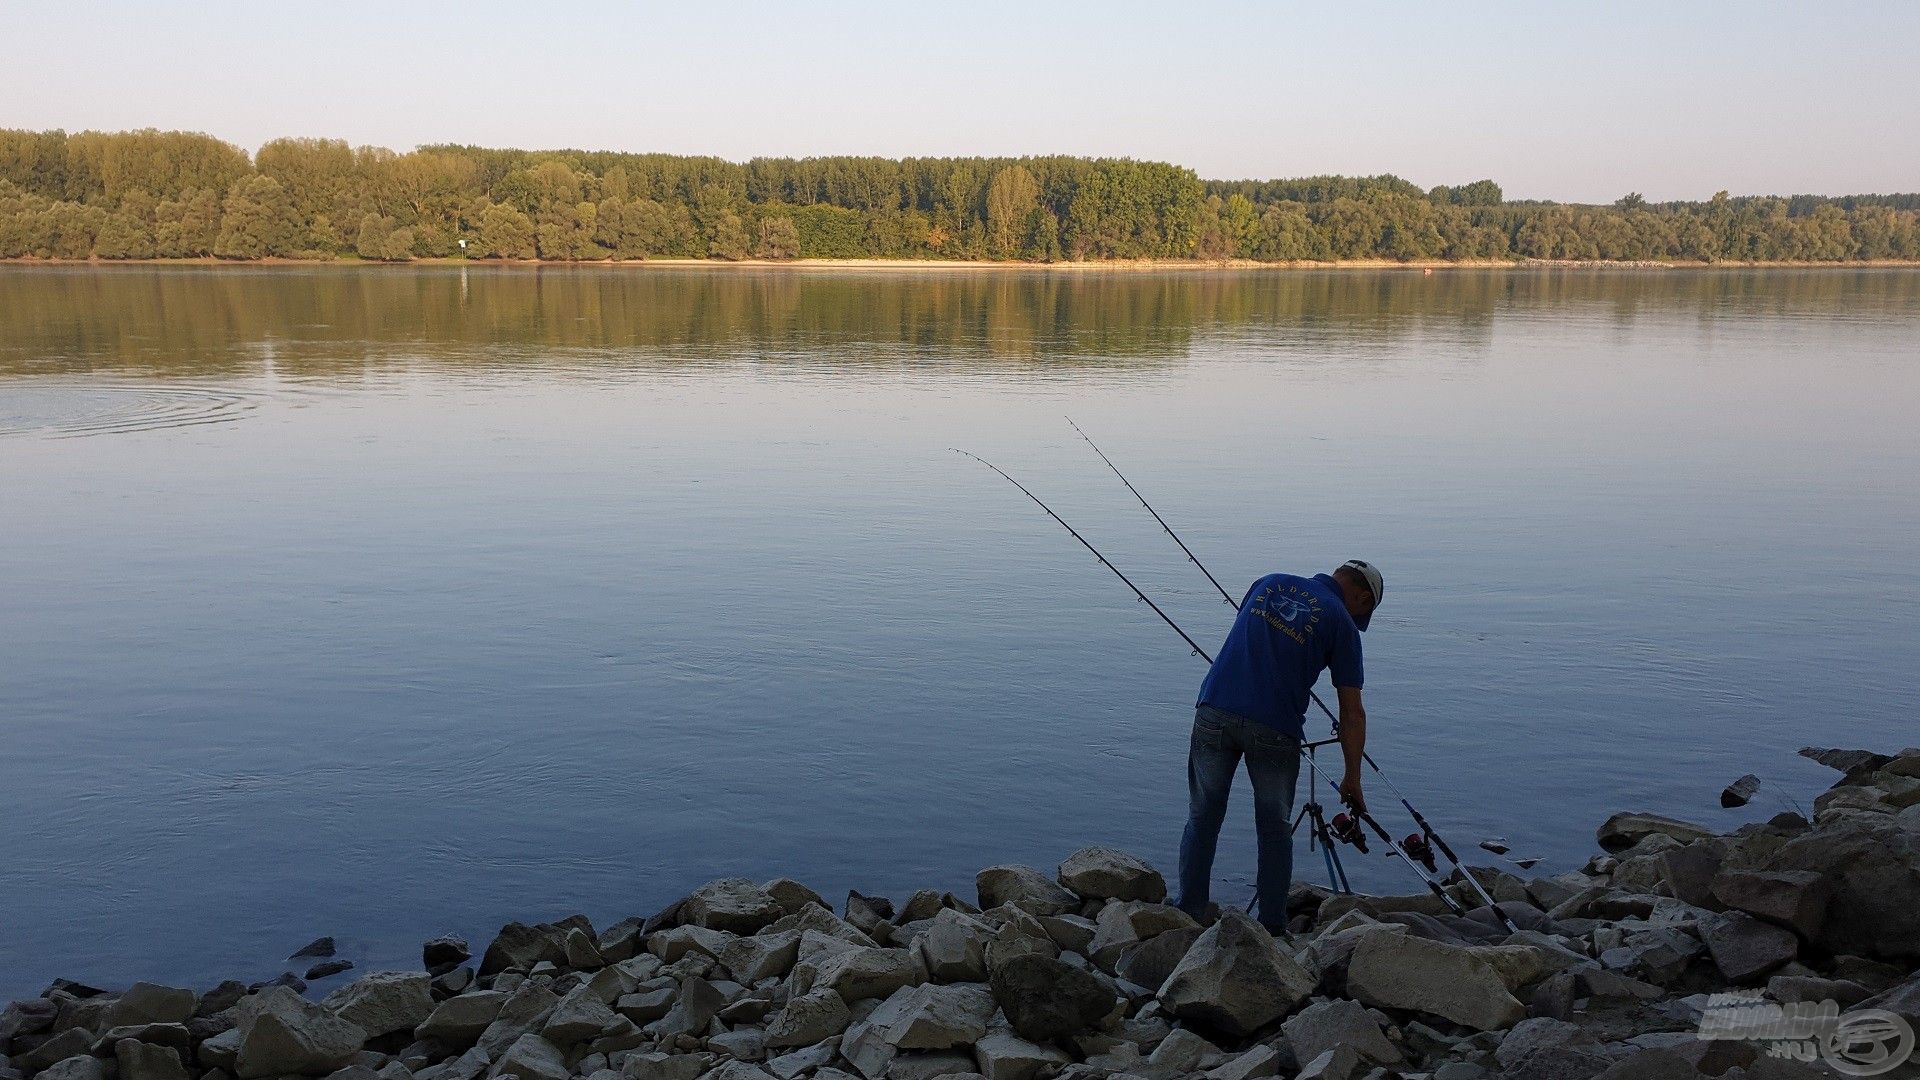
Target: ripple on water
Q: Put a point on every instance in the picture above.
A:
(77, 410)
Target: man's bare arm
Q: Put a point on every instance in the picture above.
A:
(1353, 744)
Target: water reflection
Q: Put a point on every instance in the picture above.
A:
(212, 321)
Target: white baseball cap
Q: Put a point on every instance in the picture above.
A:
(1375, 583)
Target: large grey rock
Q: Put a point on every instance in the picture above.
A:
(1023, 887)
(802, 1062)
(675, 943)
(448, 950)
(1339, 1063)
(740, 1070)
(580, 1016)
(74, 1040)
(1149, 962)
(145, 1061)
(281, 1033)
(1235, 978)
(1847, 761)
(929, 1064)
(658, 1066)
(528, 1003)
(761, 956)
(1099, 873)
(149, 1003)
(1003, 1055)
(1263, 1060)
(694, 1008)
(1902, 1000)
(735, 905)
(647, 1005)
(77, 1067)
(955, 947)
(1623, 831)
(383, 1002)
(459, 1020)
(531, 1058)
(1046, 999)
(1324, 1025)
(935, 1017)
(1873, 874)
(1689, 872)
(1744, 948)
(866, 973)
(1400, 971)
(810, 1018)
(1795, 899)
(519, 947)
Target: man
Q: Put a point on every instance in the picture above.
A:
(1253, 704)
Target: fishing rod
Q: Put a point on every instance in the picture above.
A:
(1392, 849)
(1420, 845)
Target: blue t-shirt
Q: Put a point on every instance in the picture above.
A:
(1289, 630)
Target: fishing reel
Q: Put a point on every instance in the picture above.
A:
(1347, 831)
(1416, 848)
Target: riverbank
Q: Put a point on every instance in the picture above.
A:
(1673, 953)
(948, 265)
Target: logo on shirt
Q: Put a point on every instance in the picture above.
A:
(1294, 610)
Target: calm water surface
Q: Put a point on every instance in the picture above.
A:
(388, 602)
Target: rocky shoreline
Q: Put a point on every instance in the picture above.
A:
(1646, 963)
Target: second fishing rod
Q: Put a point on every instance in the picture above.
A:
(1420, 845)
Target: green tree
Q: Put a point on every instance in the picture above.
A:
(1012, 197)
(257, 220)
(778, 238)
(505, 233)
(727, 238)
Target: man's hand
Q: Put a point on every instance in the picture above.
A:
(1350, 793)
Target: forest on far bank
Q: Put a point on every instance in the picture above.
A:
(154, 194)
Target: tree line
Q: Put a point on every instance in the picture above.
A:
(154, 194)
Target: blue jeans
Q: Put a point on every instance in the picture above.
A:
(1220, 739)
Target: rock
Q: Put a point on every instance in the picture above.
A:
(926, 1065)
(935, 1017)
(813, 1017)
(1235, 978)
(1400, 971)
(1689, 872)
(77, 1067)
(1740, 792)
(1786, 988)
(145, 1061)
(174, 1035)
(762, 956)
(791, 895)
(646, 1006)
(326, 969)
(1262, 1061)
(1537, 1033)
(1324, 1025)
(30, 1017)
(1098, 873)
(1650, 1064)
(528, 1003)
(671, 945)
(801, 1062)
(1557, 1063)
(866, 973)
(692, 1011)
(741, 1044)
(955, 947)
(735, 905)
(1002, 1055)
(666, 1066)
(1902, 1001)
(76, 1040)
(1149, 962)
(1025, 888)
(581, 951)
(1847, 761)
(1795, 899)
(580, 1016)
(280, 1033)
(149, 1003)
(531, 1058)
(1339, 1063)
(1744, 948)
(1623, 831)
(621, 941)
(383, 1002)
(459, 1020)
(220, 1051)
(518, 947)
(1046, 999)
(319, 948)
(444, 951)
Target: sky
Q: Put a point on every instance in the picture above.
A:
(1576, 102)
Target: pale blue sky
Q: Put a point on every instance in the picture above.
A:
(1576, 102)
